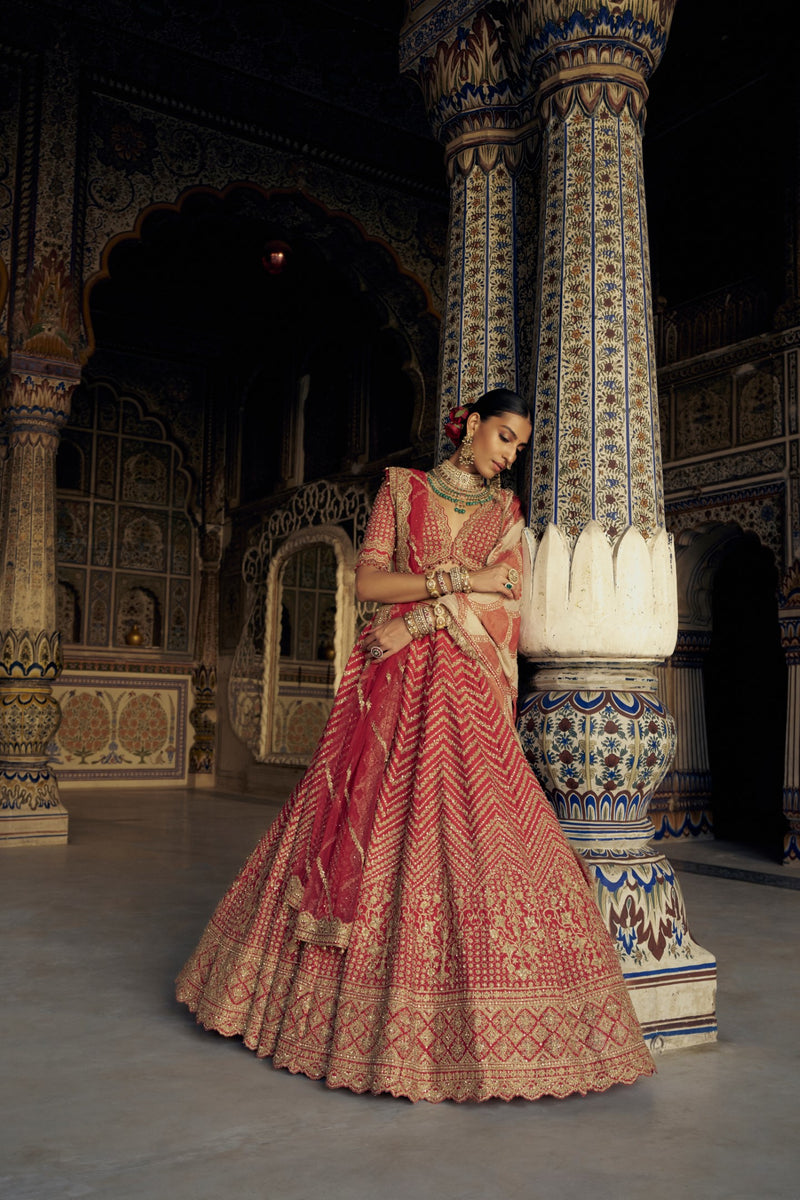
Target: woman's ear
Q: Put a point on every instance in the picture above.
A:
(473, 421)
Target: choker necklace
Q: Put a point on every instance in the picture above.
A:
(460, 488)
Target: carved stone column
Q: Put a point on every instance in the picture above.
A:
(35, 406)
(600, 601)
(203, 716)
(466, 65)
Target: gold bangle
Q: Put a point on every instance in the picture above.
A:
(430, 584)
(441, 617)
(466, 582)
(409, 620)
(440, 579)
(420, 618)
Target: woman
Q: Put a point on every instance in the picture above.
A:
(415, 922)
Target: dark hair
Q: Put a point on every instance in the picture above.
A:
(499, 401)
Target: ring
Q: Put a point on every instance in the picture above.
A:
(376, 652)
(508, 585)
(513, 574)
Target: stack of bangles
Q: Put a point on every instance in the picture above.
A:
(444, 583)
(425, 619)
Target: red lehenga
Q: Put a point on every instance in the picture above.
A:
(414, 921)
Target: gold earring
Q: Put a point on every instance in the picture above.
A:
(465, 456)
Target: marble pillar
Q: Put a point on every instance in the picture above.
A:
(600, 600)
(35, 406)
(465, 66)
(681, 806)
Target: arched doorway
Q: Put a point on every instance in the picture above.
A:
(267, 379)
(745, 684)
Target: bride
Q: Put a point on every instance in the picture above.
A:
(414, 921)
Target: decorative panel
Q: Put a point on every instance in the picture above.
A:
(72, 531)
(181, 545)
(108, 414)
(180, 489)
(106, 468)
(102, 535)
(126, 727)
(145, 472)
(128, 524)
(703, 417)
(299, 723)
(759, 407)
(99, 618)
(725, 468)
(142, 539)
(178, 631)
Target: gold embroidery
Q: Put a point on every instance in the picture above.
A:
(322, 931)
(400, 482)
(381, 742)
(294, 892)
(324, 879)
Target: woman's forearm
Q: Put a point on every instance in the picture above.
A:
(389, 587)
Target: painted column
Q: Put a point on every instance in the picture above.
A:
(789, 617)
(681, 806)
(40, 373)
(35, 406)
(465, 65)
(600, 601)
(203, 716)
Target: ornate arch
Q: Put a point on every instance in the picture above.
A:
(344, 635)
(401, 300)
(315, 507)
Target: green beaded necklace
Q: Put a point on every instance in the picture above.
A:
(459, 488)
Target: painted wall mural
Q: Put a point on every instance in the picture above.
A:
(121, 727)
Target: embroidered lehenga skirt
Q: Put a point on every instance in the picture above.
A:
(470, 960)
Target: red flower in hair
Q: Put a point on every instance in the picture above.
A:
(454, 425)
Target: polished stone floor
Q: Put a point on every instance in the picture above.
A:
(109, 1090)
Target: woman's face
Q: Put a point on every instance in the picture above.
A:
(497, 441)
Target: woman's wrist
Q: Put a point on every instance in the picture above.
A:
(426, 619)
(444, 582)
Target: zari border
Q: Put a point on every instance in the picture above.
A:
(317, 931)
(400, 489)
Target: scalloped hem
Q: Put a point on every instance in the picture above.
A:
(477, 1087)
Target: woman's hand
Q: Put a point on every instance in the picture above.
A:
(388, 638)
(498, 578)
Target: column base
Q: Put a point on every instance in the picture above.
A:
(676, 1006)
(31, 813)
(672, 980)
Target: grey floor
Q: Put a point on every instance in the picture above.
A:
(108, 1089)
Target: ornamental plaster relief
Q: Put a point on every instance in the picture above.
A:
(725, 469)
(140, 157)
(761, 509)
